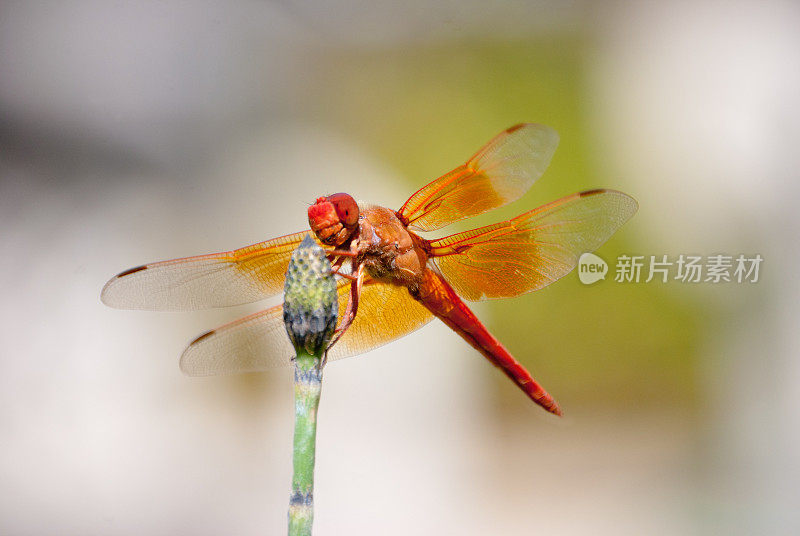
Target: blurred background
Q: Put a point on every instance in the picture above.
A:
(139, 131)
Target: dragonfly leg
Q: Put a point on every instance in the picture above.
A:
(335, 271)
(352, 305)
(337, 258)
(341, 253)
(336, 268)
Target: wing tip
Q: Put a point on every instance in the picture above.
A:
(633, 205)
(106, 295)
(186, 363)
(194, 365)
(543, 129)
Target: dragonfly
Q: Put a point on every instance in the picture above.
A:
(390, 280)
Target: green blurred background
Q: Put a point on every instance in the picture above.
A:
(139, 132)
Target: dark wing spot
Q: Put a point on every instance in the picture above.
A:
(587, 193)
(203, 336)
(131, 271)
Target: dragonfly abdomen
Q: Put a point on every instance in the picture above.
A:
(440, 298)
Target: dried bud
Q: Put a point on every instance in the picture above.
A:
(310, 303)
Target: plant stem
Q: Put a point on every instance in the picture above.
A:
(307, 388)
(310, 309)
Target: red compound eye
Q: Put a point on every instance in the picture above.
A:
(346, 209)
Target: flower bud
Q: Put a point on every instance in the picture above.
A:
(310, 303)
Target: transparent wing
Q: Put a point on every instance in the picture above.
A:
(259, 341)
(498, 174)
(532, 250)
(255, 342)
(234, 277)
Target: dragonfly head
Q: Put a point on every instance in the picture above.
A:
(334, 219)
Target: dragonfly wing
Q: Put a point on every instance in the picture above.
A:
(234, 277)
(532, 250)
(253, 343)
(259, 341)
(385, 312)
(501, 172)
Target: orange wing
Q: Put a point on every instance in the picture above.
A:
(503, 170)
(234, 277)
(385, 312)
(259, 341)
(532, 250)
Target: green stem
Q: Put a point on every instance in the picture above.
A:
(310, 307)
(307, 388)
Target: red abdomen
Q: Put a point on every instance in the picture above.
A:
(440, 298)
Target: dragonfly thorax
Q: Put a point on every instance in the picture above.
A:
(387, 249)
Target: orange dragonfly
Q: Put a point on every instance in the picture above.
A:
(394, 281)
